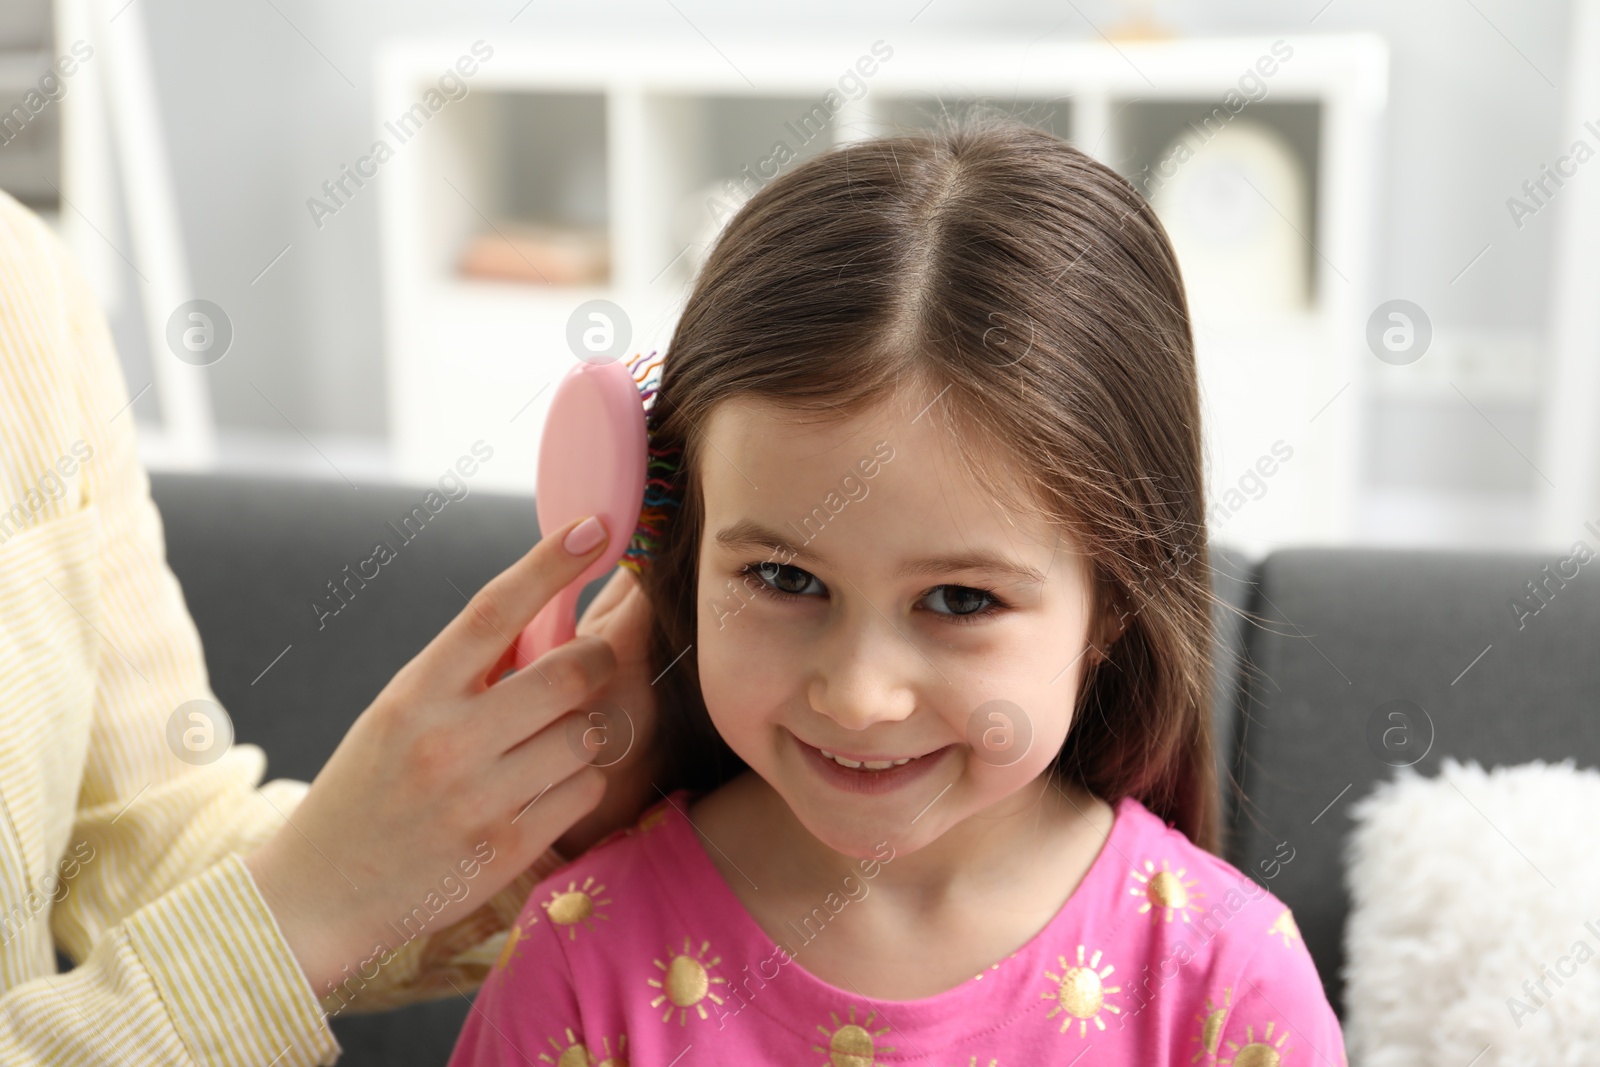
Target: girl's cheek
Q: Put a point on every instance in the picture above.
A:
(1006, 711)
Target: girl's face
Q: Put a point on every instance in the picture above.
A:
(860, 595)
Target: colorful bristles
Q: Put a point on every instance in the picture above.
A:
(661, 471)
(646, 372)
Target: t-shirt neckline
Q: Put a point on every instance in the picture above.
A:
(1012, 985)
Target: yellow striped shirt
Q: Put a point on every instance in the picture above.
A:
(111, 848)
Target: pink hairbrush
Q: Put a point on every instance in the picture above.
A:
(594, 459)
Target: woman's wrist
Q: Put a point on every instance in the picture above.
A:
(320, 945)
(323, 944)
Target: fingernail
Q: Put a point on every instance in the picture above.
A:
(585, 536)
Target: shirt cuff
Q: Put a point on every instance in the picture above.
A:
(230, 982)
(449, 962)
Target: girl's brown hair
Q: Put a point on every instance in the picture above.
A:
(991, 260)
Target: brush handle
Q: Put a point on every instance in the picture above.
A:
(592, 456)
(555, 625)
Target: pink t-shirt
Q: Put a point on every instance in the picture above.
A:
(639, 953)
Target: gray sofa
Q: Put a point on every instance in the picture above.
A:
(1305, 686)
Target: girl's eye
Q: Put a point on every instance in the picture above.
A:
(959, 600)
(786, 580)
(954, 603)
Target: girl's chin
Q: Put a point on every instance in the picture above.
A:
(860, 827)
(865, 846)
(869, 835)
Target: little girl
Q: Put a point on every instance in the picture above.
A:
(932, 617)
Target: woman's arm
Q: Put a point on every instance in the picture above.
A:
(183, 956)
(110, 847)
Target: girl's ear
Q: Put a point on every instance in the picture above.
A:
(1110, 626)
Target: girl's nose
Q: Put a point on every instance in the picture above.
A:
(865, 673)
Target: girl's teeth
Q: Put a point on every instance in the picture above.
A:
(871, 765)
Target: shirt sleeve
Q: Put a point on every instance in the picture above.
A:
(179, 960)
(1278, 1002)
(527, 1009)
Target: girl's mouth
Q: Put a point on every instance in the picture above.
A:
(870, 776)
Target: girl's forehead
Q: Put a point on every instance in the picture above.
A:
(762, 461)
(749, 435)
(757, 420)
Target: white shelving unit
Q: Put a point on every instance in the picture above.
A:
(550, 132)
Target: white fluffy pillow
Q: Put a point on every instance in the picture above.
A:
(1455, 921)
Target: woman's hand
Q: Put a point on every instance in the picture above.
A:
(621, 716)
(448, 771)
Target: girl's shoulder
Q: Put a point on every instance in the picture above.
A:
(1199, 898)
(590, 938)
(1217, 948)
(620, 854)
(634, 874)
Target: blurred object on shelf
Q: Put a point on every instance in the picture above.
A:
(541, 254)
(663, 149)
(1237, 209)
(1138, 24)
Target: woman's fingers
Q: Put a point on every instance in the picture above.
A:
(621, 584)
(534, 697)
(544, 806)
(464, 652)
(441, 763)
(541, 761)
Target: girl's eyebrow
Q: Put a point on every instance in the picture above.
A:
(747, 533)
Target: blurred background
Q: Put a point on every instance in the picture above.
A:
(348, 240)
(354, 245)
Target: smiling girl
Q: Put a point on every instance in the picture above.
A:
(940, 789)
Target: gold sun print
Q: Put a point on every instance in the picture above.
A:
(650, 820)
(509, 950)
(1080, 992)
(614, 1059)
(576, 904)
(1284, 926)
(1263, 1053)
(686, 981)
(1165, 892)
(572, 1054)
(1211, 1023)
(851, 1044)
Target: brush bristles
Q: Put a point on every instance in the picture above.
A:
(661, 470)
